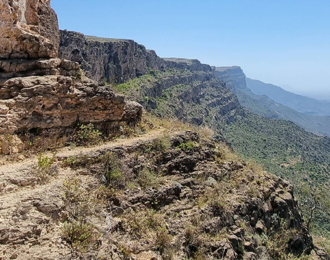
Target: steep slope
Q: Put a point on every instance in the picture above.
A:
(170, 193)
(300, 103)
(154, 197)
(262, 105)
(189, 90)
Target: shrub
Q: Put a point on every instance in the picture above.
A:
(80, 235)
(147, 178)
(162, 144)
(87, 134)
(187, 146)
(45, 168)
(163, 239)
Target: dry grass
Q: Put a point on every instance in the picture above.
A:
(174, 125)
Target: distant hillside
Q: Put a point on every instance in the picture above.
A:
(262, 105)
(300, 103)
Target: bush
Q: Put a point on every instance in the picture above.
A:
(188, 146)
(147, 178)
(80, 235)
(162, 144)
(163, 239)
(87, 134)
(45, 168)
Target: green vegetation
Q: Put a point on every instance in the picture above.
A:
(283, 148)
(186, 146)
(45, 168)
(80, 235)
(88, 135)
(287, 151)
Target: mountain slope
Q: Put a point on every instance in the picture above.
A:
(262, 105)
(300, 103)
(190, 91)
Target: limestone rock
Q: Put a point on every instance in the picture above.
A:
(28, 29)
(58, 102)
(10, 144)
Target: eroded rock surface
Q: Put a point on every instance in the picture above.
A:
(58, 102)
(39, 90)
(28, 29)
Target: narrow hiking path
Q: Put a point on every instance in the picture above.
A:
(27, 207)
(18, 182)
(10, 170)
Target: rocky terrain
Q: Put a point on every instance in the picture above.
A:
(160, 189)
(150, 197)
(42, 93)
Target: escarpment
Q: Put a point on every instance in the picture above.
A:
(108, 60)
(165, 197)
(41, 92)
(159, 191)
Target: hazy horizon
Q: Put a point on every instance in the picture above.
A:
(282, 43)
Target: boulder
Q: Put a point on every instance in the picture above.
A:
(28, 29)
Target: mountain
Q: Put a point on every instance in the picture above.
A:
(300, 103)
(194, 93)
(262, 105)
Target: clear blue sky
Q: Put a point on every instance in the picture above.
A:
(283, 42)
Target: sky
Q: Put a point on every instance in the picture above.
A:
(282, 42)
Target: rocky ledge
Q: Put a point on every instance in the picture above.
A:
(40, 92)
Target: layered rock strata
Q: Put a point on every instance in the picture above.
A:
(39, 90)
(116, 61)
(28, 29)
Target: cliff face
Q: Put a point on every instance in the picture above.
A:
(28, 29)
(108, 60)
(116, 61)
(233, 76)
(50, 95)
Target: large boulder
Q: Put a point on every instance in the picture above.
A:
(28, 29)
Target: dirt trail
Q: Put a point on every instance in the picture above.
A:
(26, 206)
(11, 170)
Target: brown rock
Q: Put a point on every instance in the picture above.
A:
(11, 144)
(28, 29)
(58, 102)
(260, 227)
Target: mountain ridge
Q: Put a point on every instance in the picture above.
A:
(298, 102)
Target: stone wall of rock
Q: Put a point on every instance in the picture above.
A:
(233, 76)
(59, 102)
(28, 29)
(39, 90)
(108, 60)
(116, 61)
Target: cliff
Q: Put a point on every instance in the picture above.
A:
(115, 60)
(42, 93)
(108, 60)
(161, 190)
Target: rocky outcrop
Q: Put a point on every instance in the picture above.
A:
(108, 60)
(40, 91)
(59, 102)
(28, 29)
(241, 214)
(233, 76)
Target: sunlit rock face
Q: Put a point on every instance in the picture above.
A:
(28, 29)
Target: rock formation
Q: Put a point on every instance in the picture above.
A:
(108, 60)
(116, 61)
(28, 29)
(39, 90)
